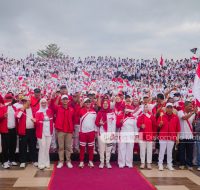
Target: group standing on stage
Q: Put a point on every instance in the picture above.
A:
(107, 123)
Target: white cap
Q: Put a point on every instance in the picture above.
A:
(43, 100)
(169, 104)
(64, 96)
(85, 100)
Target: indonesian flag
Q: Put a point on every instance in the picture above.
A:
(194, 58)
(86, 73)
(196, 87)
(161, 61)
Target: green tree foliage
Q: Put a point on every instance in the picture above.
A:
(51, 51)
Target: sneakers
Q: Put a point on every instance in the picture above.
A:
(160, 168)
(22, 165)
(60, 165)
(121, 166)
(6, 165)
(108, 165)
(198, 168)
(190, 168)
(13, 163)
(69, 165)
(90, 164)
(101, 166)
(149, 167)
(181, 167)
(35, 164)
(81, 165)
(47, 166)
(169, 167)
(41, 167)
(142, 166)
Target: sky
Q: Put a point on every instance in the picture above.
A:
(121, 28)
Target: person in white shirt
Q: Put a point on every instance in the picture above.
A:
(44, 131)
(8, 132)
(186, 117)
(26, 132)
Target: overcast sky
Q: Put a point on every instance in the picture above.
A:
(133, 28)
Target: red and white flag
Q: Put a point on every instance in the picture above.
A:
(196, 87)
(161, 61)
(55, 76)
(86, 73)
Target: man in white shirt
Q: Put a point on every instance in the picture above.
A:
(186, 117)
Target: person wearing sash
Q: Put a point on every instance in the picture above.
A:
(186, 118)
(169, 126)
(44, 131)
(87, 132)
(146, 123)
(106, 123)
(8, 132)
(126, 123)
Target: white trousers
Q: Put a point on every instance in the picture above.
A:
(146, 149)
(104, 148)
(43, 155)
(125, 154)
(76, 137)
(163, 146)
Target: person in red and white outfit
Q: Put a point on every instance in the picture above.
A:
(186, 117)
(169, 126)
(146, 124)
(26, 132)
(44, 131)
(8, 132)
(126, 122)
(106, 123)
(87, 131)
(65, 127)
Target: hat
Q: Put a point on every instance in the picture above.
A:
(43, 100)
(86, 100)
(37, 90)
(169, 104)
(64, 96)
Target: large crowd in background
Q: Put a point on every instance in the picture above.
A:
(98, 104)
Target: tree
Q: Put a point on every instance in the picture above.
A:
(51, 51)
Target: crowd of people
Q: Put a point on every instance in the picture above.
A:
(118, 103)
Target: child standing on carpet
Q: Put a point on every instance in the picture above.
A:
(106, 123)
(87, 132)
(128, 131)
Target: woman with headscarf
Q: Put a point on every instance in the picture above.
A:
(44, 131)
(126, 123)
(106, 123)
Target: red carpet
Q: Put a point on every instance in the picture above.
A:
(98, 179)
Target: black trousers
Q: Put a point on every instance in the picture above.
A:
(186, 152)
(29, 140)
(8, 143)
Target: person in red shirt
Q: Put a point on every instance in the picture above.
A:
(169, 126)
(75, 104)
(35, 100)
(65, 127)
(26, 132)
(87, 132)
(44, 131)
(8, 132)
(146, 123)
(106, 123)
